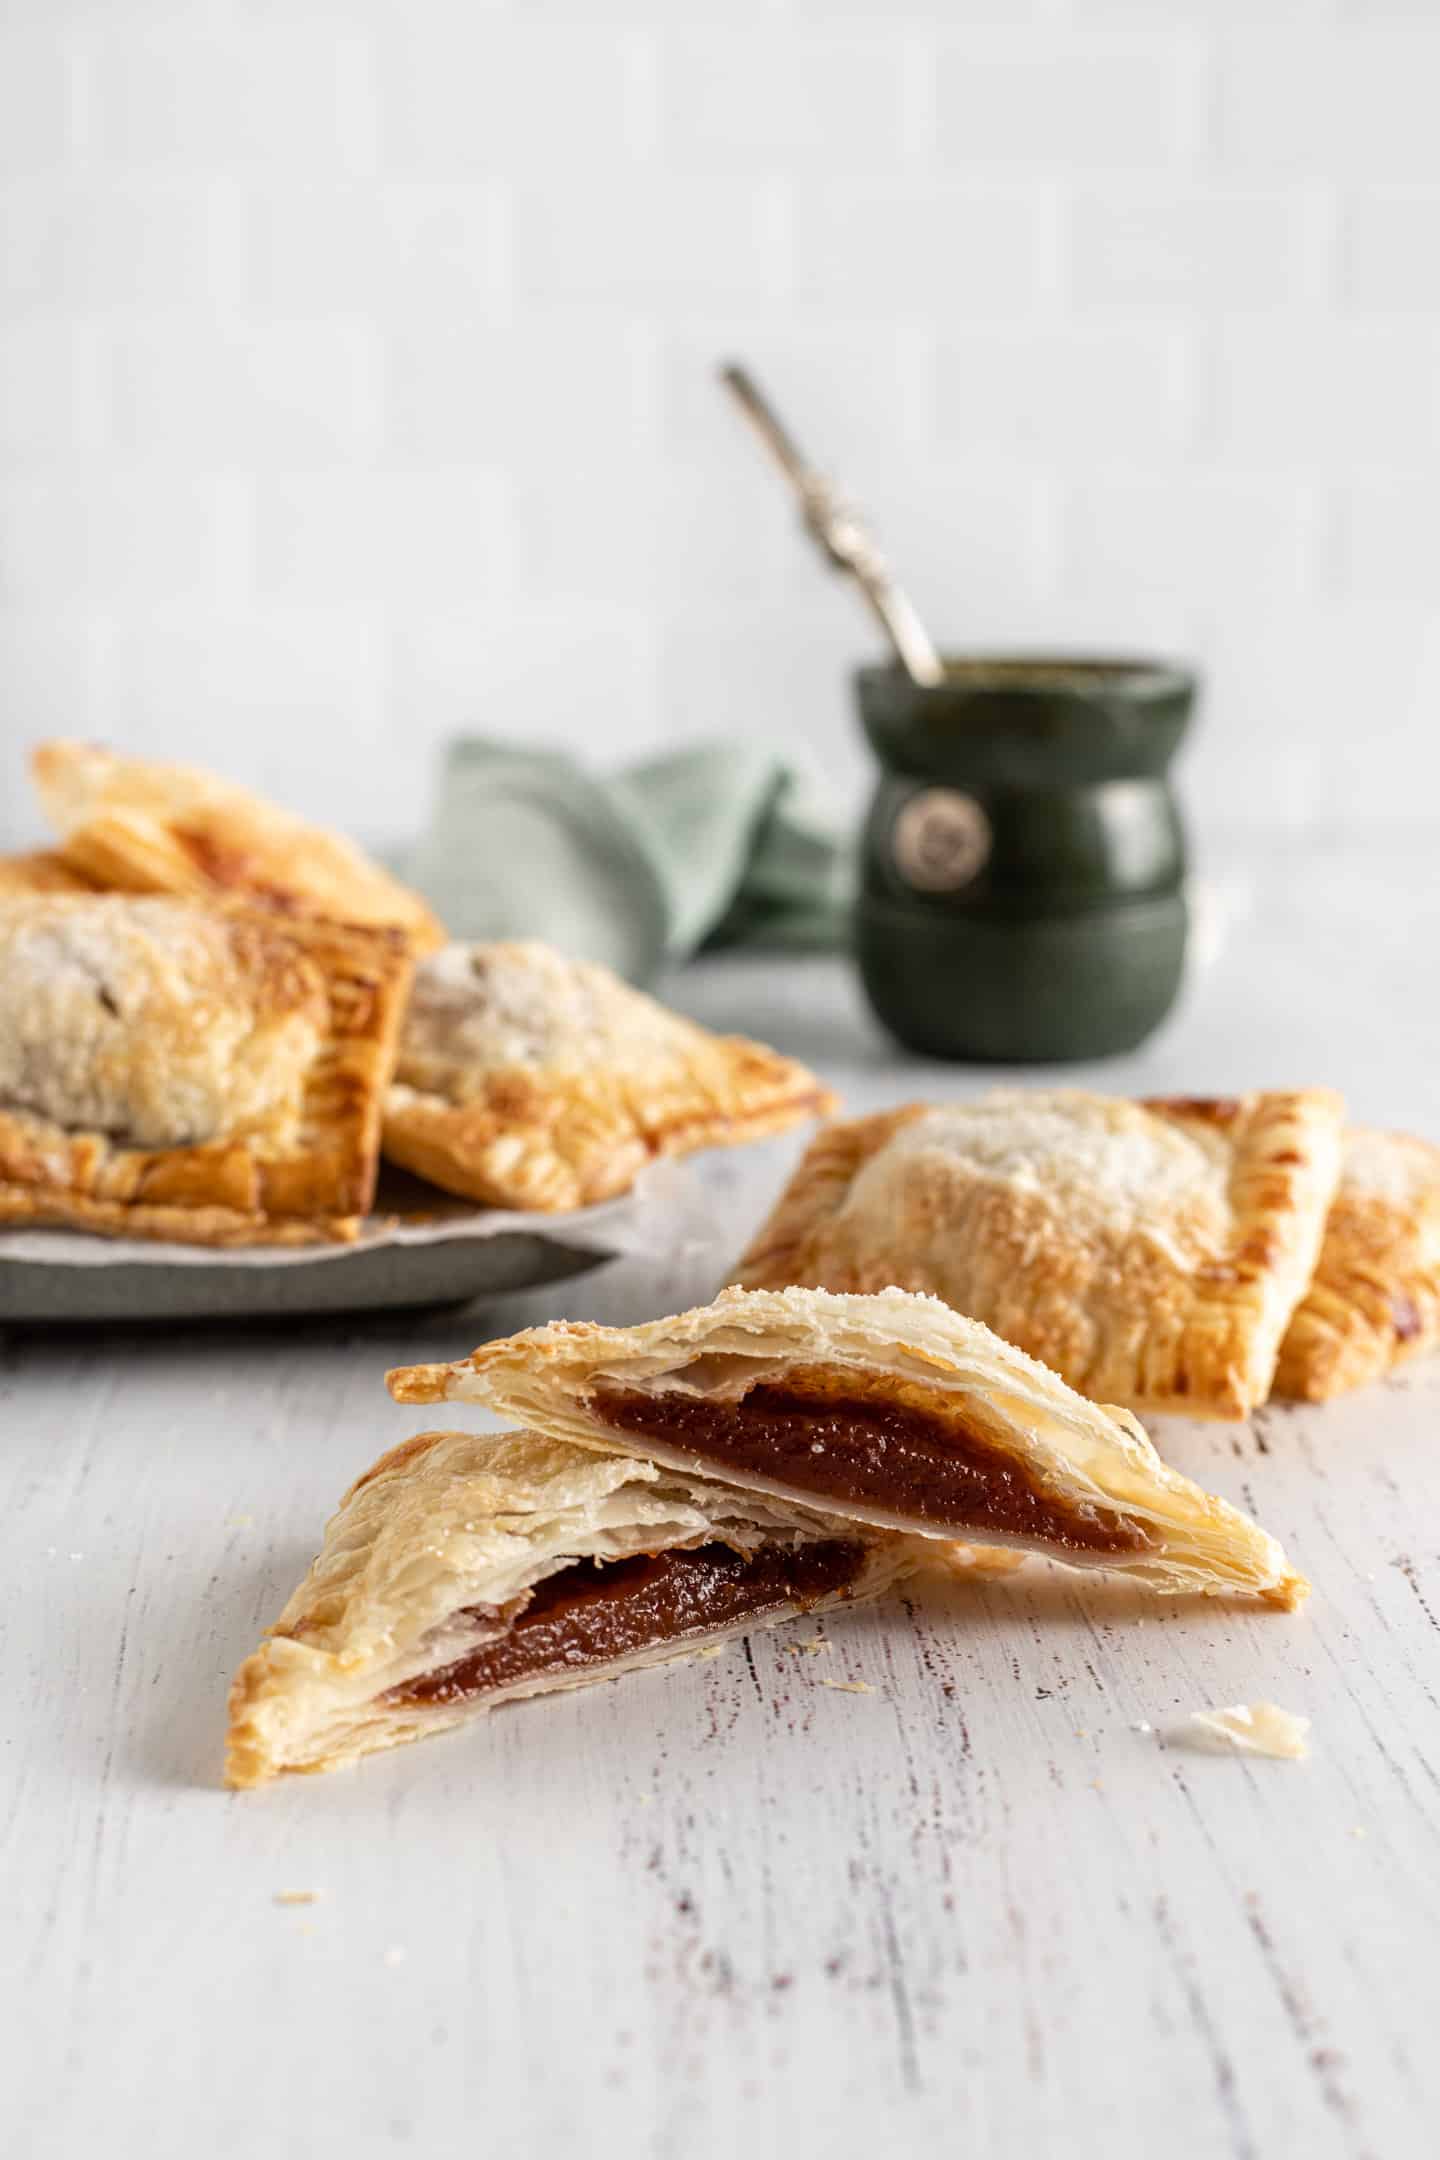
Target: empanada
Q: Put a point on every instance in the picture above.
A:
(1150, 1252)
(135, 825)
(1375, 1296)
(200, 1071)
(890, 1410)
(468, 1568)
(527, 1080)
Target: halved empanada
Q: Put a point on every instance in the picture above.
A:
(135, 825)
(1375, 1296)
(890, 1410)
(465, 1569)
(1150, 1252)
(200, 1071)
(527, 1080)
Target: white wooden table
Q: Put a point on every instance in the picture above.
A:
(725, 1907)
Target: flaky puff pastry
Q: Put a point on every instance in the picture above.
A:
(466, 1569)
(888, 1409)
(42, 872)
(198, 1071)
(1150, 1252)
(528, 1080)
(1375, 1296)
(133, 824)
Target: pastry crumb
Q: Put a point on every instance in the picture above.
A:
(849, 1687)
(1252, 1729)
(811, 1648)
(714, 1649)
(644, 1799)
(298, 1897)
(984, 1559)
(1358, 1830)
(395, 1955)
(239, 1522)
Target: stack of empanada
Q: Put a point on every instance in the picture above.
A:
(214, 1016)
(1179, 1255)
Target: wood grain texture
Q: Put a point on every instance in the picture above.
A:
(730, 1906)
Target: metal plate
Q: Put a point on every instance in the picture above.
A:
(90, 1279)
(38, 1291)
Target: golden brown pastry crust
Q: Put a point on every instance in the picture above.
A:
(527, 1080)
(40, 873)
(1091, 1465)
(1375, 1296)
(245, 1056)
(1151, 1253)
(136, 825)
(436, 1548)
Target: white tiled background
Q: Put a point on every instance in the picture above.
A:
(356, 372)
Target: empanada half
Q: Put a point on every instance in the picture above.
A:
(888, 1409)
(466, 1569)
(136, 825)
(198, 1071)
(1150, 1252)
(529, 1080)
(1374, 1299)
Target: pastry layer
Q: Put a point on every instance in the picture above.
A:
(888, 1409)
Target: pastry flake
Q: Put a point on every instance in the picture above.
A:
(40, 872)
(1260, 1728)
(135, 825)
(1150, 1252)
(195, 1071)
(467, 1569)
(888, 1409)
(528, 1080)
(1374, 1299)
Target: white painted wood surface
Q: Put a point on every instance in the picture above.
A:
(726, 1907)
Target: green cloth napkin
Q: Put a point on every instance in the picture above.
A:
(709, 846)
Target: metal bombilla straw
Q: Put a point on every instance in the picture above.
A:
(837, 530)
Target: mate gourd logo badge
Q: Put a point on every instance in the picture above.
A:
(941, 840)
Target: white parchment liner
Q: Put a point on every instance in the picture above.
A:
(663, 1214)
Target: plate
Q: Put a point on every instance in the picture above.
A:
(420, 1248)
